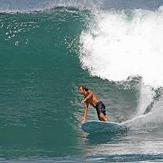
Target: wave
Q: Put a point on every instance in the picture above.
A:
(116, 44)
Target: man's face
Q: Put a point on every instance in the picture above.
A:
(81, 90)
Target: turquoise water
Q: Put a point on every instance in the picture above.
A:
(38, 75)
(40, 71)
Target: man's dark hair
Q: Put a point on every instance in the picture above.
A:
(83, 87)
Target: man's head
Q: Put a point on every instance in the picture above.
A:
(83, 90)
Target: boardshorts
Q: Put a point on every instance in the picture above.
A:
(100, 108)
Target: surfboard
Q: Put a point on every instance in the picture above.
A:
(103, 127)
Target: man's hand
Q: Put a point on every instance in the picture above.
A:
(83, 101)
(83, 119)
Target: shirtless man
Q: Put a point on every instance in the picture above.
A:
(91, 98)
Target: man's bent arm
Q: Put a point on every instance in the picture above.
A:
(88, 97)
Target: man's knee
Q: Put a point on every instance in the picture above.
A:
(102, 117)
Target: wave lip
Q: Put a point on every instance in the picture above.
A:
(14, 6)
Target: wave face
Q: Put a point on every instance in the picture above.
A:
(39, 65)
(48, 48)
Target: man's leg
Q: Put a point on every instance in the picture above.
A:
(103, 117)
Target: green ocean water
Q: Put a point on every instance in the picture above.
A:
(40, 109)
(40, 73)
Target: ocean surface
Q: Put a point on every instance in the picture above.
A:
(48, 48)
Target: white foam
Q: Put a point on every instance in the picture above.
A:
(152, 120)
(122, 45)
(145, 98)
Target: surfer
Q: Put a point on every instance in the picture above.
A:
(91, 98)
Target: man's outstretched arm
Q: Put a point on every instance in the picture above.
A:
(85, 112)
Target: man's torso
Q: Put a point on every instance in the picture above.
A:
(94, 100)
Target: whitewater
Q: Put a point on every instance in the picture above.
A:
(123, 44)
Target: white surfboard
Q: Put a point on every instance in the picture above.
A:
(103, 127)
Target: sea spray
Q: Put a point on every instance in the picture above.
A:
(125, 44)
